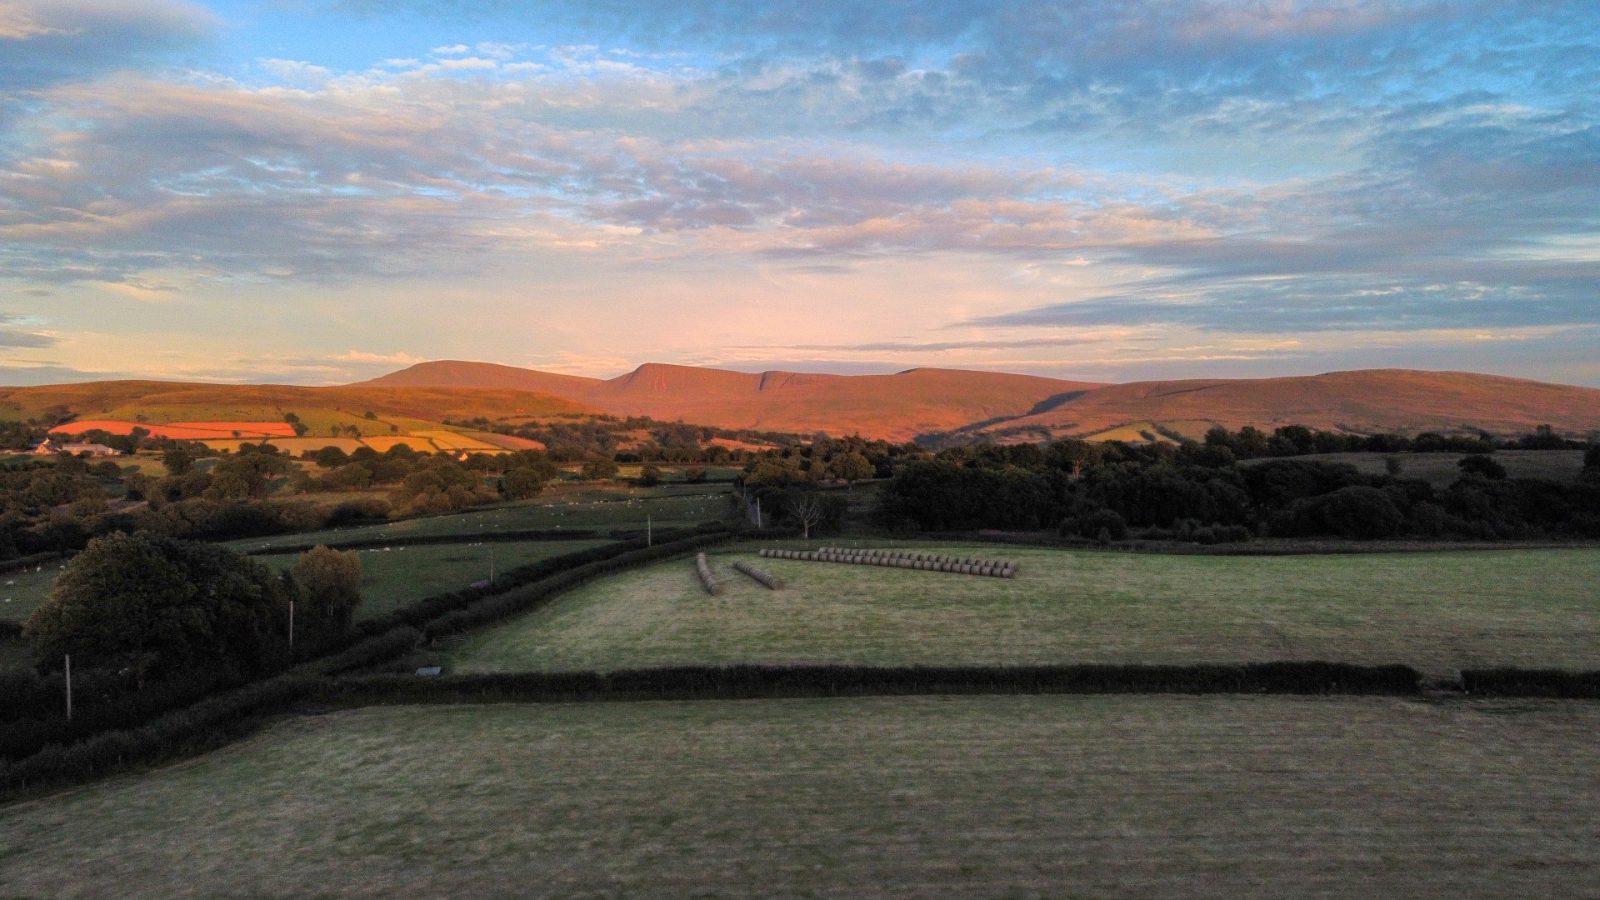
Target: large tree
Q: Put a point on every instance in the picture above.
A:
(159, 606)
(328, 587)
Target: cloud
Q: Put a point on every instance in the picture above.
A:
(45, 42)
(15, 334)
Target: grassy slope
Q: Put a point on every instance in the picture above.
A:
(1437, 611)
(995, 796)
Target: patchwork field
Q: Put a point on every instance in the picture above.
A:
(994, 796)
(1436, 611)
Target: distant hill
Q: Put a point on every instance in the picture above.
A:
(958, 405)
(1375, 400)
(895, 407)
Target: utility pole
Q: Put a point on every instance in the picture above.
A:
(291, 625)
(491, 564)
(68, 657)
(649, 532)
(758, 513)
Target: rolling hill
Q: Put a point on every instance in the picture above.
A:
(1374, 400)
(895, 407)
(958, 405)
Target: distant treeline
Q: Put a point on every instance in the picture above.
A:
(1197, 491)
(674, 442)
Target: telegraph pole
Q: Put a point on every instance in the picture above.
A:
(291, 625)
(68, 657)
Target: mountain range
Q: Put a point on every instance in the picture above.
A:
(945, 404)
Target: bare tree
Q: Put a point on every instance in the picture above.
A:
(808, 512)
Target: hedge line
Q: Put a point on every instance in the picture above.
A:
(28, 562)
(211, 722)
(216, 718)
(494, 537)
(509, 603)
(1532, 683)
(751, 681)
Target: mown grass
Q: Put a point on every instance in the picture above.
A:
(581, 508)
(400, 576)
(1435, 611)
(994, 796)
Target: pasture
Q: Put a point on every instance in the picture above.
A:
(1164, 796)
(579, 508)
(396, 577)
(1441, 469)
(1438, 611)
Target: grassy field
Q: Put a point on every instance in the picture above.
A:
(995, 796)
(1440, 469)
(22, 592)
(391, 579)
(1436, 611)
(621, 507)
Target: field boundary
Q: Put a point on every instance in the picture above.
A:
(790, 681)
(495, 537)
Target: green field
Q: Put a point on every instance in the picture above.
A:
(1437, 611)
(1441, 469)
(400, 576)
(22, 592)
(587, 508)
(992, 796)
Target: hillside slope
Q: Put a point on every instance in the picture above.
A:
(895, 407)
(1366, 401)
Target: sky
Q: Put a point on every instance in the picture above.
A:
(321, 191)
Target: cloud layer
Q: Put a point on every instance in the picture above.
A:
(1023, 185)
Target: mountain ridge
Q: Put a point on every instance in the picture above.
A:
(926, 402)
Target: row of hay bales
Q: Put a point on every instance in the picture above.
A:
(762, 576)
(901, 559)
(707, 580)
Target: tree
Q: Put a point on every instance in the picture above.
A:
(327, 586)
(851, 467)
(521, 483)
(1481, 466)
(300, 428)
(807, 512)
(599, 468)
(650, 475)
(178, 460)
(157, 606)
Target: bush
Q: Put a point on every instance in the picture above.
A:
(1091, 525)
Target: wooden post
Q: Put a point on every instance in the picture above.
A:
(758, 513)
(291, 624)
(68, 658)
(491, 564)
(649, 532)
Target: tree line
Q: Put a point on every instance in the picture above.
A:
(1199, 491)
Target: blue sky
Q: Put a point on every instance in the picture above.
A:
(317, 191)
